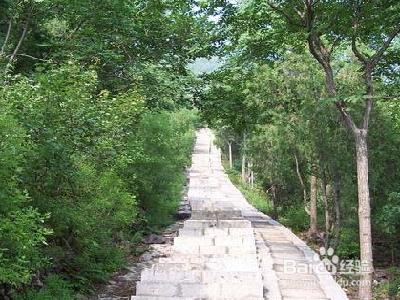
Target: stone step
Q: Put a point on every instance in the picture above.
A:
(214, 231)
(228, 290)
(200, 276)
(216, 215)
(297, 298)
(144, 288)
(299, 283)
(223, 290)
(285, 276)
(290, 254)
(160, 298)
(193, 241)
(298, 293)
(214, 237)
(189, 298)
(219, 224)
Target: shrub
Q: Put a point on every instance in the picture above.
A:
(22, 233)
(394, 283)
(295, 217)
(91, 165)
(166, 139)
(54, 288)
(348, 246)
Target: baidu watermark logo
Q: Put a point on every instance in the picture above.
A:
(326, 260)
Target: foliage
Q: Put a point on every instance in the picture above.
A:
(394, 283)
(92, 163)
(348, 246)
(22, 233)
(255, 196)
(389, 219)
(94, 138)
(296, 218)
(55, 287)
(167, 139)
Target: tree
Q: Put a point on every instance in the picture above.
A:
(315, 19)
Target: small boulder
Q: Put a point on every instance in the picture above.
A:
(154, 239)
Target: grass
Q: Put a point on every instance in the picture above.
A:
(254, 195)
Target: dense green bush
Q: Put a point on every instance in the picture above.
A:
(348, 246)
(54, 288)
(82, 167)
(167, 139)
(296, 217)
(21, 228)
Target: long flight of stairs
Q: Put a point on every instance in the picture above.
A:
(228, 249)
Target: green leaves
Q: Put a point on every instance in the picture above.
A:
(21, 236)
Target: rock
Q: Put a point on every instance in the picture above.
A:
(183, 215)
(154, 239)
(146, 257)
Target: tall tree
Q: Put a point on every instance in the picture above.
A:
(317, 22)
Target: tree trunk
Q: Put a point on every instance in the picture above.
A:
(336, 201)
(244, 167)
(274, 201)
(326, 195)
(3, 48)
(301, 183)
(20, 41)
(244, 158)
(313, 204)
(322, 55)
(230, 154)
(364, 215)
(250, 173)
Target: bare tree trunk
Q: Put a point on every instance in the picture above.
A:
(313, 205)
(328, 216)
(326, 196)
(336, 201)
(20, 41)
(3, 48)
(250, 173)
(303, 186)
(274, 201)
(244, 158)
(244, 167)
(364, 216)
(230, 154)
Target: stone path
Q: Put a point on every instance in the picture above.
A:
(229, 250)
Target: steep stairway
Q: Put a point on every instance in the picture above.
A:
(229, 250)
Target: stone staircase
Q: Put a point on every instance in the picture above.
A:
(229, 250)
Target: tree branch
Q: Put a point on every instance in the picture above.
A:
(3, 48)
(280, 11)
(356, 52)
(378, 55)
(32, 57)
(334, 44)
(348, 121)
(21, 39)
(301, 179)
(367, 113)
